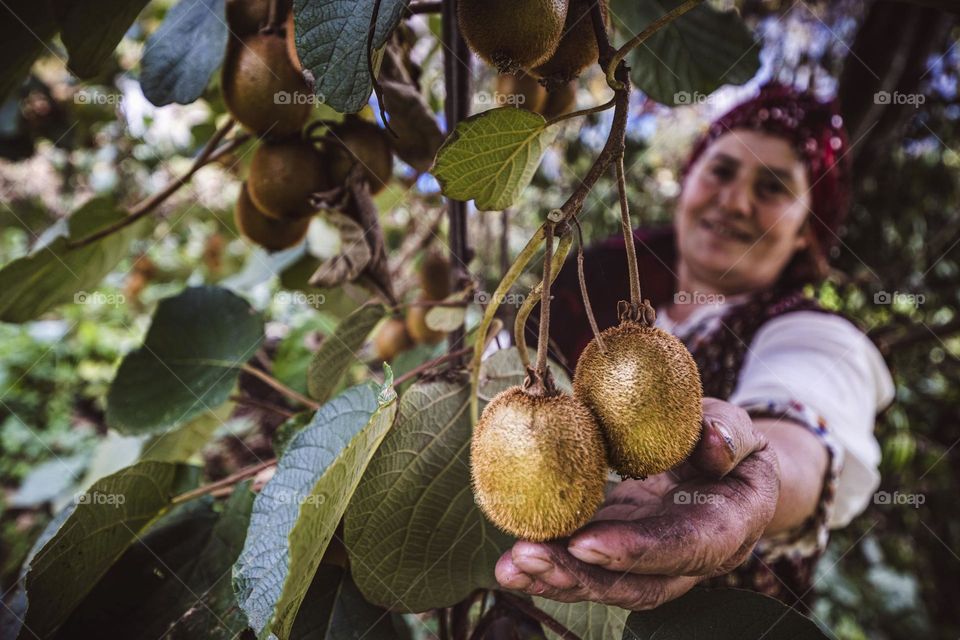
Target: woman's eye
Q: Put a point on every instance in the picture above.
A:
(723, 173)
(771, 187)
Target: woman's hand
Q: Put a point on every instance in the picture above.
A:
(653, 540)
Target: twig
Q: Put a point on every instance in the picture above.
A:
(627, 228)
(262, 404)
(523, 314)
(377, 270)
(279, 386)
(509, 278)
(442, 627)
(232, 479)
(434, 6)
(141, 209)
(540, 616)
(377, 89)
(429, 364)
(583, 112)
(583, 290)
(641, 37)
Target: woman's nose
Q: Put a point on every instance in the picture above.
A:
(735, 198)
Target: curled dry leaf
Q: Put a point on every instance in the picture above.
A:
(354, 256)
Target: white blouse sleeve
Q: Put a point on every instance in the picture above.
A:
(823, 365)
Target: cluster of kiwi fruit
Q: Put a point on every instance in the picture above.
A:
(551, 40)
(265, 91)
(399, 334)
(539, 461)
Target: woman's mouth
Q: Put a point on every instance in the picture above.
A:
(725, 230)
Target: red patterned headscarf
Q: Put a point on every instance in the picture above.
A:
(815, 131)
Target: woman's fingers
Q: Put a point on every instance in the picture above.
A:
(728, 438)
(547, 570)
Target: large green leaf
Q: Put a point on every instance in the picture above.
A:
(174, 582)
(296, 513)
(91, 32)
(25, 29)
(693, 55)
(339, 350)
(491, 157)
(415, 536)
(184, 52)
(721, 614)
(52, 275)
(331, 37)
(182, 443)
(588, 620)
(189, 361)
(334, 609)
(92, 534)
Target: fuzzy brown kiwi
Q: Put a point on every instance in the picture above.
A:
(537, 464)
(391, 339)
(435, 276)
(512, 34)
(245, 17)
(269, 233)
(416, 322)
(261, 88)
(645, 392)
(368, 145)
(577, 49)
(522, 90)
(283, 174)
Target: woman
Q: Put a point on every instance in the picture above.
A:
(791, 391)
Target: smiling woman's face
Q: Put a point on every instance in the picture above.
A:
(742, 212)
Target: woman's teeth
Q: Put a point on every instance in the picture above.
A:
(725, 230)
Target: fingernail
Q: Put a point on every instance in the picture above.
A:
(727, 438)
(533, 564)
(589, 555)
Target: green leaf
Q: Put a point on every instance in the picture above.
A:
(295, 351)
(339, 350)
(184, 52)
(24, 35)
(491, 157)
(689, 58)
(174, 582)
(588, 620)
(296, 513)
(189, 361)
(721, 614)
(331, 37)
(286, 431)
(182, 443)
(415, 536)
(90, 34)
(52, 275)
(94, 532)
(334, 609)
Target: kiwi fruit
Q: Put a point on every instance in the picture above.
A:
(512, 34)
(435, 276)
(368, 145)
(269, 233)
(523, 90)
(261, 88)
(560, 101)
(391, 339)
(291, 42)
(645, 392)
(247, 16)
(538, 464)
(416, 323)
(283, 174)
(577, 49)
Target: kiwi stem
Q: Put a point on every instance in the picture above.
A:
(583, 290)
(627, 228)
(541, 380)
(523, 314)
(230, 480)
(429, 364)
(144, 207)
(509, 279)
(274, 19)
(261, 404)
(640, 38)
(279, 386)
(583, 112)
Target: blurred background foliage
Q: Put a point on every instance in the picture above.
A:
(891, 574)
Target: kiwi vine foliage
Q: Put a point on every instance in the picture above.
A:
(890, 574)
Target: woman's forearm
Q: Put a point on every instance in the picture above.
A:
(803, 462)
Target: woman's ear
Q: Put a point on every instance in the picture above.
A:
(803, 235)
